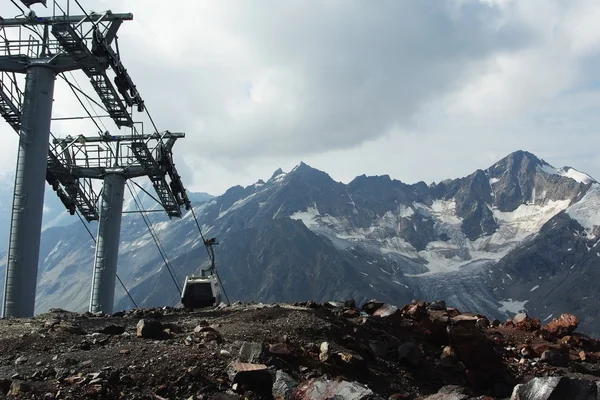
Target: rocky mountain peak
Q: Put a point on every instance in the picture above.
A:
(278, 172)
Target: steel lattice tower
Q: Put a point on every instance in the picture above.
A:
(78, 42)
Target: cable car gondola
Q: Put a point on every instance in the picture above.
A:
(204, 290)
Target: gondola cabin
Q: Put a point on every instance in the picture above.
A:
(201, 292)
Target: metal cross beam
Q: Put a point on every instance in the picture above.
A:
(94, 157)
(70, 19)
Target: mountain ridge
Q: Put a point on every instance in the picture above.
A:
(301, 235)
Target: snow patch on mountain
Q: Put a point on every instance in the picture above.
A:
(567, 172)
(587, 210)
(513, 306)
(385, 237)
(308, 217)
(526, 220)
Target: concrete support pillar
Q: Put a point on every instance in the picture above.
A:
(107, 246)
(28, 198)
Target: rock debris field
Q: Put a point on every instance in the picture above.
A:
(301, 351)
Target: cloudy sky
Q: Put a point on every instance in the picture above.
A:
(419, 90)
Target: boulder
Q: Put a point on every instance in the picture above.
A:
(280, 349)
(409, 352)
(251, 376)
(250, 352)
(450, 392)
(371, 306)
(324, 389)
(555, 358)
(387, 310)
(113, 330)
(475, 350)
(524, 323)
(150, 329)
(556, 388)
(562, 326)
(415, 310)
(284, 386)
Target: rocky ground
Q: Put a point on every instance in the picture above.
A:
(300, 351)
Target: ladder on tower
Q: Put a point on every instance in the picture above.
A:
(70, 40)
(157, 176)
(11, 100)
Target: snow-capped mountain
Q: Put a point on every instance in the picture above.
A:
(520, 234)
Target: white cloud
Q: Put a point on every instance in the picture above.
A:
(418, 90)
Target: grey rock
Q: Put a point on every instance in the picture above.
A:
(284, 386)
(321, 389)
(250, 352)
(21, 360)
(557, 388)
(450, 392)
(555, 358)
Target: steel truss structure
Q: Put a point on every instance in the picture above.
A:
(41, 48)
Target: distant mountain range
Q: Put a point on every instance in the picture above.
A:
(519, 235)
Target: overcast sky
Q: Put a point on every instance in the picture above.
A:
(419, 90)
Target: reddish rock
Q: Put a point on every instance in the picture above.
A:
(563, 325)
(541, 348)
(528, 324)
(415, 310)
(570, 340)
